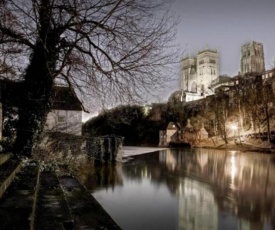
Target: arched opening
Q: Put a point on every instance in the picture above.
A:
(194, 87)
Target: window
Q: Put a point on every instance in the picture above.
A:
(212, 61)
(186, 72)
(194, 87)
(60, 118)
(200, 72)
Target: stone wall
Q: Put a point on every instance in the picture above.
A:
(105, 149)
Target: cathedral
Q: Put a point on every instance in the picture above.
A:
(252, 58)
(200, 73)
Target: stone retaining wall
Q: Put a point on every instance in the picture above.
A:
(105, 149)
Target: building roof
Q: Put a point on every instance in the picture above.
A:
(65, 99)
(176, 96)
(11, 92)
(208, 50)
(173, 125)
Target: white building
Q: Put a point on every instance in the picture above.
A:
(66, 112)
(65, 115)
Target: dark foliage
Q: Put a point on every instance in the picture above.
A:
(126, 121)
(10, 119)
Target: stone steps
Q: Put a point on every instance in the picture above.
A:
(41, 200)
(18, 203)
(86, 211)
(8, 169)
(4, 157)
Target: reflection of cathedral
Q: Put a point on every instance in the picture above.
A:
(237, 191)
(197, 207)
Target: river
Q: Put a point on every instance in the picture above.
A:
(188, 189)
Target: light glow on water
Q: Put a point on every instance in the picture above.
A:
(233, 170)
(189, 189)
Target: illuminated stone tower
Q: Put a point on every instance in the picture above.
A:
(189, 74)
(198, 73)
(252, 58)
(207, 69)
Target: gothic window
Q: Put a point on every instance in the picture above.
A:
(194, 87)
(246, 68)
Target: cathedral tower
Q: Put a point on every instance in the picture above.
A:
(252, 58)
(189, 74)
(198, 73)
(207, 69)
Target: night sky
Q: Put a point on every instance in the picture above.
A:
(226, 25)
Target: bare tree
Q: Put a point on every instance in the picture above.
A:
(110, 49)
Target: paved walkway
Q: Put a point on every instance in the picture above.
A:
(40, 200)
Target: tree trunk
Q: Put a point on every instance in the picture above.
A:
(38, 84)
(36, 102)
(267, 122)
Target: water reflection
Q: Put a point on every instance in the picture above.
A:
(189, 189)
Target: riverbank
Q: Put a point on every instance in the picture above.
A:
(244, 145)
